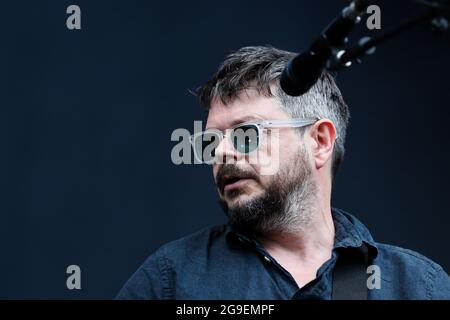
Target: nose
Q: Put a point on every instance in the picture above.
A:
(226, 153)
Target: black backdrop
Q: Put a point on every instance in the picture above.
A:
(86, 118)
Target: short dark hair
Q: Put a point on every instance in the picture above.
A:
(259, 68)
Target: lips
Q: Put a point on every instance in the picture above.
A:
(233, 182)
(237, 184)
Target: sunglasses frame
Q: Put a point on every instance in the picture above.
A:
(260, 125)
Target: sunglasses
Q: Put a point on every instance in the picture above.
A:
(245, 137)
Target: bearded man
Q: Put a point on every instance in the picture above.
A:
(283, 240)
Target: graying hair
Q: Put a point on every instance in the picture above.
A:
(259, 67)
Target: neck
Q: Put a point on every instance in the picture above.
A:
(303, 241)
(313, 241)
(303, 252)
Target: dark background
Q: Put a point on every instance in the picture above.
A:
(86, 118)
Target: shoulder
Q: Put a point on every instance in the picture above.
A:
(155, 278)
(195, 239)
(192, 248)
(194, 243)
(404, 256)
(412, 271)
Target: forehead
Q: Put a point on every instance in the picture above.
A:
(248, 105)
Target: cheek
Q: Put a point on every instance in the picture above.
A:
(288, 152)
(280, 147)
(265, 181)
(269, 147)
(290, 146)
(280, 141)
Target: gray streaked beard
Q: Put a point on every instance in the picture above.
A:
(286, 205)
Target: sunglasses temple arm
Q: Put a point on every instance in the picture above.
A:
(288, 123)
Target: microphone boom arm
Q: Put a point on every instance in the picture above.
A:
(366, 45)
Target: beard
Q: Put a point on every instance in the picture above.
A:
(285, 204)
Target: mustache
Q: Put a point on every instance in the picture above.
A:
(230, 171)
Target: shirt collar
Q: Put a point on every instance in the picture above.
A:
(349, 233)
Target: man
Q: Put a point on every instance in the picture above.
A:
(283, 239)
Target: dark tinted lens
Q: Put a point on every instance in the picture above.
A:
(245, 138)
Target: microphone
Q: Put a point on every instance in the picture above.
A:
(302, 72)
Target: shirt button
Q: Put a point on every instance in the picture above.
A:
(267, 259)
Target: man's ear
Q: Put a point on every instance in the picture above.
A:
(323, 135)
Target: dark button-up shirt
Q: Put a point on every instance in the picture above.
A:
(224, 263)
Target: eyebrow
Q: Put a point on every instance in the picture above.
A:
(242, 120)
